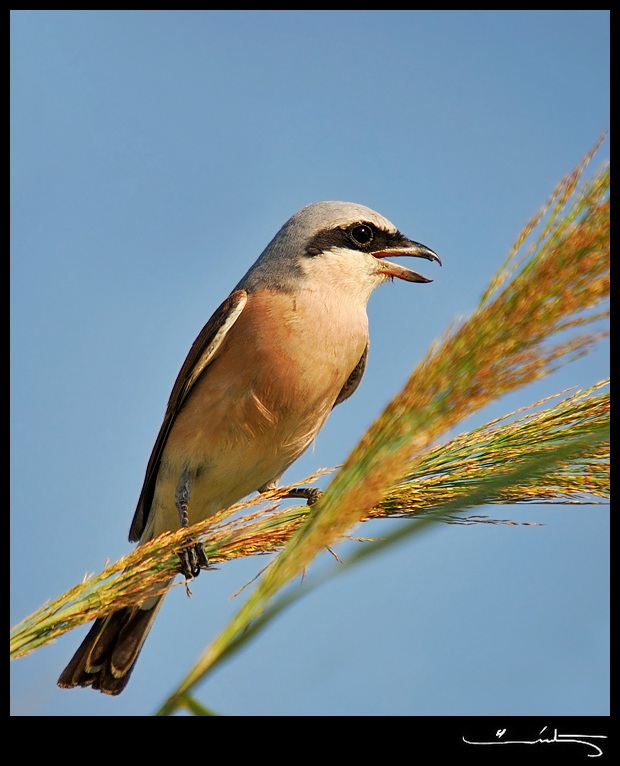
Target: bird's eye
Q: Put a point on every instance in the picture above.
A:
(361, 234)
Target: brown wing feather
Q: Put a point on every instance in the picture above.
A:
(354, 379)
(201, 354)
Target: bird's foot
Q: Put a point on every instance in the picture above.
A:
(193, 559)
(310, 494)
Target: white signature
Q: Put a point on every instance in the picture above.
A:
(579, 739)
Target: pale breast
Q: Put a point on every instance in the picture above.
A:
(262, 400)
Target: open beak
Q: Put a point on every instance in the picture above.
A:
(408, 247)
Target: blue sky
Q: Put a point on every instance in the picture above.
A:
(154, 154)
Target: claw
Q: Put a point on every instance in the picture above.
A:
(193, 559)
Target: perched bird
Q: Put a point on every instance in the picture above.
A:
(286, 346)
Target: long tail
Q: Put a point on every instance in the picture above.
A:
(106, 657)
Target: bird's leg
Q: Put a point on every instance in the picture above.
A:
(193, 558)
(310, 494)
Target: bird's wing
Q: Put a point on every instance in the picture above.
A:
(203, 351)
(354, 379)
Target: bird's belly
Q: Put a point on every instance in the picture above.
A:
(254, 411)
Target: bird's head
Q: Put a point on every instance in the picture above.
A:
(341, 245)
